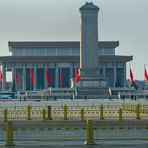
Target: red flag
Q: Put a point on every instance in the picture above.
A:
(145, 75)
(16, 77)
(77, 75)
(48, 77)
(131, 77)
(32, 76)
(1, 76)
(61, 75)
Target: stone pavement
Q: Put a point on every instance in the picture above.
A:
(78, 144)
(90, 146)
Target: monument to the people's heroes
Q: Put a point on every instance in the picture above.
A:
(90, 81)
(89, 41)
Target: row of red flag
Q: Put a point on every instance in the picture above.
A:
(132, 77)
(31, 77)
(48, 79)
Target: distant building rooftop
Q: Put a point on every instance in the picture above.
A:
(60, 58)
(64, 44)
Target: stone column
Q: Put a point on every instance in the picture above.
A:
(13, 76)
(115, 73)
(71, 71)
(24, 77)
(57, 76)
(124, 74)
(89, 41)
(4, 77)
(45, 82)
(104, 70)
(35, 77)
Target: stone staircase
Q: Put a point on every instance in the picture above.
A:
(92, 93)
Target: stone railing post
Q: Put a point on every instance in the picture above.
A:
(9, 134)
(5, 115)
(44, 114)
(137, 111)
(65, 112)
(120, 114)
(29, 112)
(89, 133)
(49, 113)
(82, 114)
(101, 112)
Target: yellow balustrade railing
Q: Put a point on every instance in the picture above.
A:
(136, 111)
(87, 132)
(82, 114)
(9, 134)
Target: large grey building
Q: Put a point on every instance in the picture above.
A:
(61, 59)
(57, 58)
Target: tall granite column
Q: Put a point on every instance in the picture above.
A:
(24, 77)
(89, 41)
(71, 71)
(14, 84)
(35, 76)
(57, 76)
(90, 81)
(115, 74)
(4, 77)
(124, 74)
(45, 81)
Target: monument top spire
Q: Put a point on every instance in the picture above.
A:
(89, 6)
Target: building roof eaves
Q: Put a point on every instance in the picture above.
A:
(60, 58)
(62, 44)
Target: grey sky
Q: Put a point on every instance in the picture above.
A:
(59, 20)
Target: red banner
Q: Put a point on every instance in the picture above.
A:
(1, 76)
(77, 75)
(145, 75)
(32, 77)
(61, 75)
(16, 77)
(48, 77)
(131, 77)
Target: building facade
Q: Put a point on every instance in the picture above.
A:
(60, 59)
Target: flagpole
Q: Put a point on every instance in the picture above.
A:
(46, 81)
(144, 72)
(129, 66)
(130, 83)
(145, 76)
(129, 72)
(30, 78)
(0, 80)
(15, 80)
(60, 77)
(47, 78)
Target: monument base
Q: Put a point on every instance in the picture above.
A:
(90, 88)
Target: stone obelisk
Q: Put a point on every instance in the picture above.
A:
(90, 81)
(89, 41)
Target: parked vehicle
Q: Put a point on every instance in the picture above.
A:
(7, 95)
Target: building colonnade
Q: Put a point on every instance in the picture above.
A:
(39, 71)
(23, 74)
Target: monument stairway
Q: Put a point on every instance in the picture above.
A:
(93, 93)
